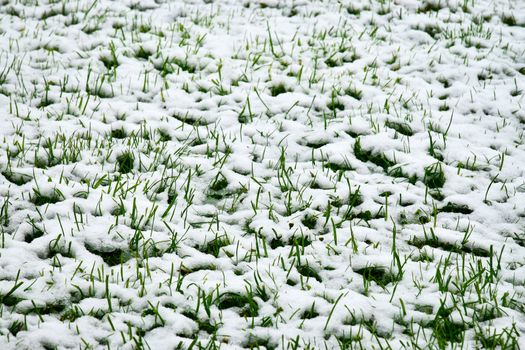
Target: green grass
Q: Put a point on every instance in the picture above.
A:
(16, 178)
(278, 89)
(248, 306)
(111, 257)
(309, 221)
(456, 208)
(125, 162)
(118, 133)
(367, 156)
(379, 275)
(309, 272)
(402, 128)
(214, 246)
(434, 176)
(38, 198)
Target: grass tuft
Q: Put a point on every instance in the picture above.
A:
(367, 156)
(125, 162)
(40, 198)
(434, 176)
(402, 128)
(378, 274)
(248, 306)
(276, 90)
(308, 271)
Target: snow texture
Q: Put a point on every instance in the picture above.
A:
(262, 174)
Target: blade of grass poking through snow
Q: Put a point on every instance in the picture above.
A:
(488, 189)
(5, 297)
(332, 310)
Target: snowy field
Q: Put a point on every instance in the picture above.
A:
(269, 174)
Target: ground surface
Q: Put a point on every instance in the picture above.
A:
(272, 174)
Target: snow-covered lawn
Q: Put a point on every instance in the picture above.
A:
(262, 174)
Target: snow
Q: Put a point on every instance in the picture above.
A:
(281, 155)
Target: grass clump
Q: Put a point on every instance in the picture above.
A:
(258, 342)
(204, 325)
(397, 171)
(15, 327)
(16, 178)
(142, 53)
(35, 233)
(432, 30)
(164, 136)
(185, 65)
(419, 217)
(434, 176)
(278, 242)
(378, 274)
(354, 92)
(217, 189)
(509, 20)
(317, 144)
(444, 330)
(367, 156)
(355, 198)
(366, 215)
(118, 133)
(248, 306)
(310, 313)
(402, 128)
(214, 246)
(334, 103)
(111, 256)
(309, 221)
(433, 241)
(190, 120)
(278, 89)
(308, 271)
(125, 162)
(71, 314)
(337, 167)
(301, 241)
(40, 198)
(507, 338)
(109, 62)
(455, 208)
(430, 6)
(219, 183)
